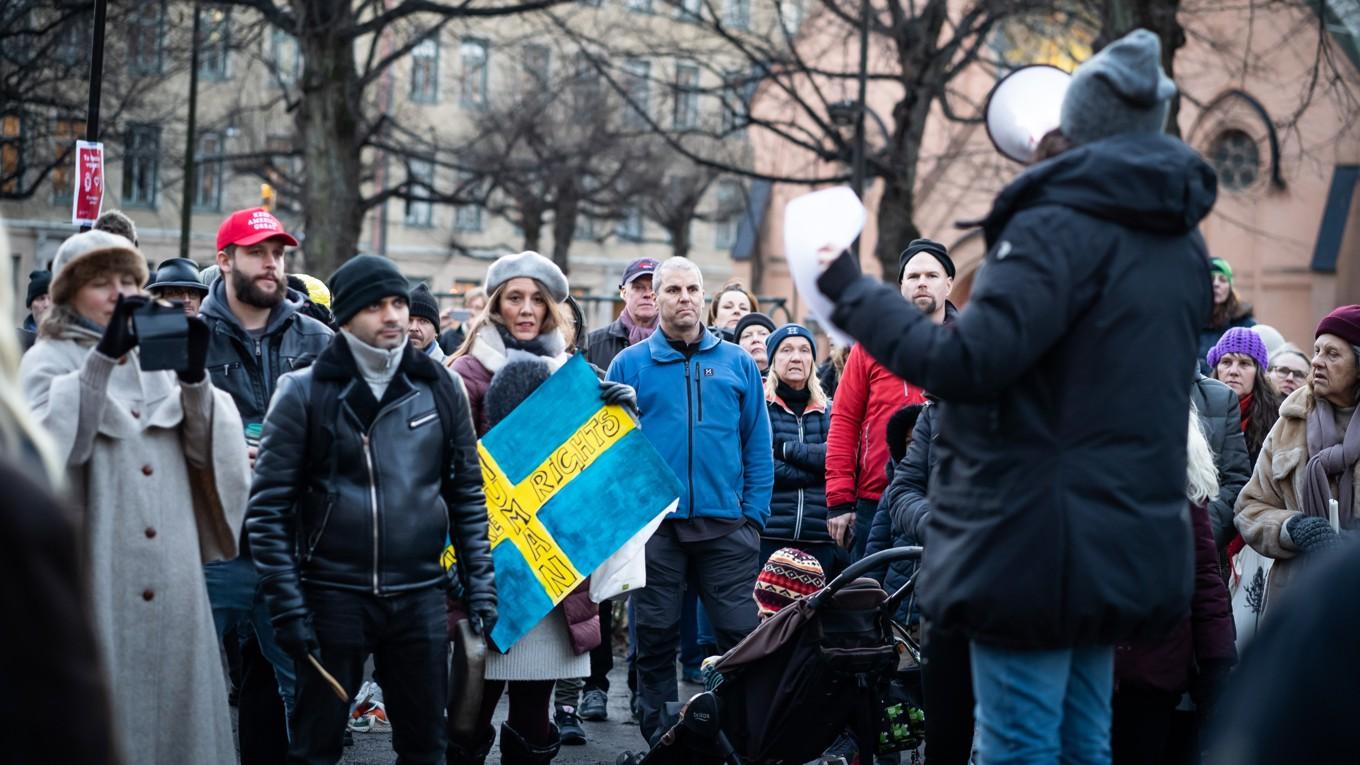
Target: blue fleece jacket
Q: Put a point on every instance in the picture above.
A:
(707, 418)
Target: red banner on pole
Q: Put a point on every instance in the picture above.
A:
(88, 199)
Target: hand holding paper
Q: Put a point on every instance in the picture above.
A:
(818, 227)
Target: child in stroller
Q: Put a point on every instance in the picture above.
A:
(829, 662)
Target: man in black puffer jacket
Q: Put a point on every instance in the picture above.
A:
(1059, 522)
(365, 464)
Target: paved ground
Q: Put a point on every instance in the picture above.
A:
(606, 739)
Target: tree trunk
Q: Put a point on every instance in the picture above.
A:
(531, 220)
(329, 132)
(566, 205)
(897, 205)
(680, 243)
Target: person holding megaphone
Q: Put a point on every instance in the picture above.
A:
(1060, 524)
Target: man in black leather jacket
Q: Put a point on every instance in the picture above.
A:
(360, 476)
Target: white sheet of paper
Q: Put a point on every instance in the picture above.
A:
(818, 224)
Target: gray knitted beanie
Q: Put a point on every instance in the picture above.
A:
(1121, 89)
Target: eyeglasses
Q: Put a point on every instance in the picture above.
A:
(1292, 374)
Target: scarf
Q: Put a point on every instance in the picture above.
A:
(537, 346)
(1330, 453)
(1243, 406)
(796, 400)
(636, 332)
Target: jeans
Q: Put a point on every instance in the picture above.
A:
(233, 591)
(725, 569)
(1043, 707)
(409, 640)
(864, 522)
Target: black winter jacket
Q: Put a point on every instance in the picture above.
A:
(1058, 510)
(906, 496)
(1222, 418)
(604, 344)
(380, 527)
(798, 505)
(249, 369)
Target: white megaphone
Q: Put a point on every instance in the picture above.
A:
(1023, 107)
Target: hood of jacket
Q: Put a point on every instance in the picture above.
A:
(1149, 182)
(216, 306)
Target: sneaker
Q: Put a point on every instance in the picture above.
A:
(361, 724)
(595, 705)
(569, 726)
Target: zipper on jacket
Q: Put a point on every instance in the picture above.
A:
(699, 386)
(798, 519)
(373, 500)
(689, 432)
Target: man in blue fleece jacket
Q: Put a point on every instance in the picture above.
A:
(703, 408)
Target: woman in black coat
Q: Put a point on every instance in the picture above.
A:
(799, 419)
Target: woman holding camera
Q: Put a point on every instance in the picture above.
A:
(158, 470)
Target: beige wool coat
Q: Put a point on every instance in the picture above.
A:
(1275, 492)
(159, 470)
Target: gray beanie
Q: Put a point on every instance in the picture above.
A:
(529, 264)
(1121, 89)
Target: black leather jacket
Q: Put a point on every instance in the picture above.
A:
(380, 527)
(248, 369)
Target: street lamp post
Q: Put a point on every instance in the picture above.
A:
(186, 208)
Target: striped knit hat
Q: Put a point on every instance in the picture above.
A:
(789, 574)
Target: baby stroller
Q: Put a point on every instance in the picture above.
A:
(831, 662)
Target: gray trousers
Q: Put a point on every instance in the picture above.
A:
(725, 570)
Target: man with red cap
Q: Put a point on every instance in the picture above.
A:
(258, 333)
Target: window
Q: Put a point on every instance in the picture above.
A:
(689, 10)
(64, 135)
(11, 153)
(208, 172)
(640, 6)
(468, 217)
(586, 90)
(1236, 159)
(728, 215)
(686, 96)
(146, 32)
(637, 87)
(285, 62)
(537, 67)
(733, 101)
(73, 42)
(141, 158)
(420, 180)
(214, 43)
(473, 54)
(630, 227)
(737, 13)
(425, 71)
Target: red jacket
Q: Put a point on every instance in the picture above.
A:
(856, 449)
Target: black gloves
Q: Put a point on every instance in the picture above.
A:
(119, 337)
(482, 616)
(1311, 534)
(619, 394)
(197, 355)
(1207, 684)
(296, 636)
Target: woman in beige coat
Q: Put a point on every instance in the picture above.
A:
(157, 467)
(1310, 458)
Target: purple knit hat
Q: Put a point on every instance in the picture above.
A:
(1240, 340)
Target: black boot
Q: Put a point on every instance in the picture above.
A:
(516, 751)
(458, 754)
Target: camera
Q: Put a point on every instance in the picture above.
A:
(162, 331)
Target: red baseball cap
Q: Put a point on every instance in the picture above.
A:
(247, 227)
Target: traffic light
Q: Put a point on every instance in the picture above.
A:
(268, 196)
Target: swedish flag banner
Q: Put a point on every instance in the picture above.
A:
(568, 481)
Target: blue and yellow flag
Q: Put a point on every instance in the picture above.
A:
(568, 481)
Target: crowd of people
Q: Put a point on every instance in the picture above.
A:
(1101, 454)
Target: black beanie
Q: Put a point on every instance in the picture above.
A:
(38, 284)
(755, 317)
(424, 305)
(939, 251)
(362, 281)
